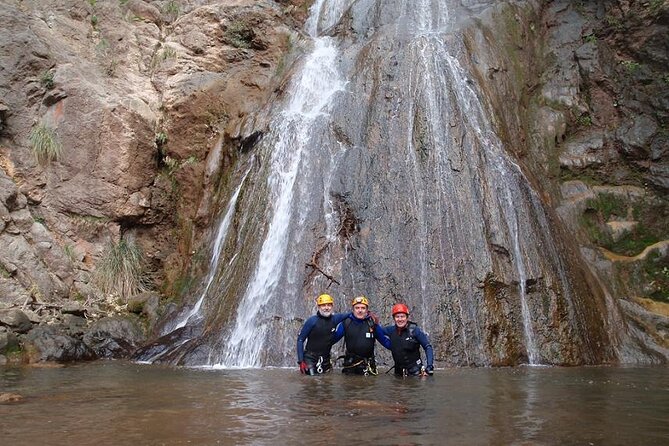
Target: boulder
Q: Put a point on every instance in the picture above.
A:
(50, 343)
(115, 336)
(16, 320)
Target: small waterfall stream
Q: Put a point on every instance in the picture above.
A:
(219, 242)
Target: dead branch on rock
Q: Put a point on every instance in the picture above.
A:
(314, 264)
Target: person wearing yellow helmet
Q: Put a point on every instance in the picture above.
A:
(406, 338)
(360, 330)
(317, 331)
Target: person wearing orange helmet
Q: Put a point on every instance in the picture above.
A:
(405, 342)
(360, 330)
(317, 332)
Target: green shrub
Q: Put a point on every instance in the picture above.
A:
(607, 204)
(68, 249)
(239, 34)
(45, 145)
(631, 66)
(656, 5)
(121, 270)
(590, 38)
(161, 139)
(584, 120)
(172, 10)
(46, 79)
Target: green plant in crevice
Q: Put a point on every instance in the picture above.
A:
(655, 5)
(172, 9)
(159, 57)
(160, 140)
(239, 34)
(45, 144)
(94, 21)
(106, 57)
(68, 249)
(630, 66)
(584, 120)
(46, 79)
(590, 38)
(121, 270)
(613, 22)
(607, 204)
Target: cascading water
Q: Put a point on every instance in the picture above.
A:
(311, 94)
(382, 174)
(219, 242)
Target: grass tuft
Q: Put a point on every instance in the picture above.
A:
(45, 144)
(121, 270)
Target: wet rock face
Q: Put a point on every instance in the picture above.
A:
(611, 150)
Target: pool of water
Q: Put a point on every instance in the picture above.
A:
(119, 403)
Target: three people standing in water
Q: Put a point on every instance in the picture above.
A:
(361, 330)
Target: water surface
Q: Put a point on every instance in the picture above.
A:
(118, 403)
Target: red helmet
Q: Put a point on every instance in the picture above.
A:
(400, 308)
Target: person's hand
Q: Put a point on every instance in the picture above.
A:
(374, 317)
(303, 367)
(429, 370)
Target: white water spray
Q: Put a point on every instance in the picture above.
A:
(310, 95)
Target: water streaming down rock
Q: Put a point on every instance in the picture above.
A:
(382, 172)
(219, 241)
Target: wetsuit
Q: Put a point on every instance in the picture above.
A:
(359, 336)
(405, 346)
(318, 332)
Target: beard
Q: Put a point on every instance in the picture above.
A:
(325, 313)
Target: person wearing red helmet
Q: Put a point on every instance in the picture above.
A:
(405, 342)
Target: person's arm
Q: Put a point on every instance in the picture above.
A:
(339, 332)
(339, 317)
(302, 337)
(381, 336)
(424, 341)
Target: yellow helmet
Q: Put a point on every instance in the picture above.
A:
(360, 300)
(324, 299)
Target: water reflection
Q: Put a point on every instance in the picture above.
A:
(111, 403)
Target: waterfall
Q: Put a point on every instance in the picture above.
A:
(311, 93)
(384, 130)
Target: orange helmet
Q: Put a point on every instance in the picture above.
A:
(324, 299)
(400, 308)
(360, 300)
